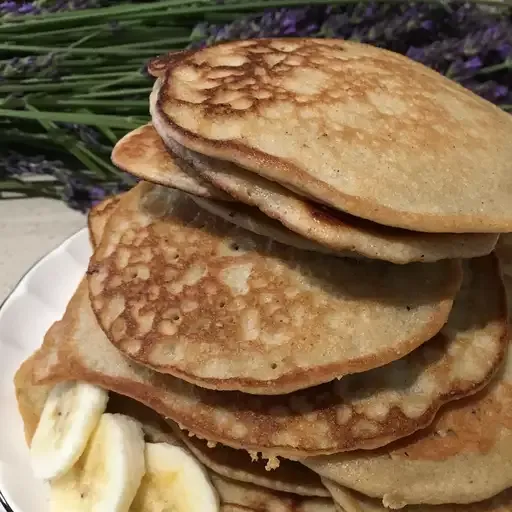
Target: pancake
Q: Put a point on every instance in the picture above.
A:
(284, 216)
(238, 465)
(464, 456)
(352, 501)
(254, 221)
(333, 229)
(158, 66)
(98, 217)
(356, 127)
(143, 154)
(360, 411)
(189, 294)
(252, 497)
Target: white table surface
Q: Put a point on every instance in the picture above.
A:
(29, 228)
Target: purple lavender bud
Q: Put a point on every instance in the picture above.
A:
(505, 50)
(416, 53)
(501, 91)
(473, 64)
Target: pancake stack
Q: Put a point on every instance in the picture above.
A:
(307, 284)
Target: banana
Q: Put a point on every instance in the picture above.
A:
(109, 472)
(70, 415)
(174, 481)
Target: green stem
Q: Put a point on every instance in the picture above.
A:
(74, 31)
(174, 8)
(497, 67)
(50, 102)
(160, 43)
(75, 51)
(17, 87)
(32, 189)
(105, 12)
(114, 94)
(109, 134)
(76, 148)
(123, 122)
(73, 78)
(130, 77)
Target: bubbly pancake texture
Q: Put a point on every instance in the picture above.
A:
(359, 128)
(189, 294)
(361, 411)
(98, 217)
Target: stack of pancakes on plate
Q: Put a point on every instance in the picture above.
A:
(307, 285)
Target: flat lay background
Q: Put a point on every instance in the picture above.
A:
(29, 228)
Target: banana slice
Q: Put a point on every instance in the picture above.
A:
(70, 415)
(175, 481)
(107, 475)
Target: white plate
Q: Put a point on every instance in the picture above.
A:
(39, 300)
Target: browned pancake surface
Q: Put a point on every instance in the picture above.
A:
(362, 129)
(192, 295)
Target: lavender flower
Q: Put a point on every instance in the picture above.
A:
(43, 66)
(470, 43)
(79, 188)
(88, 135)
(12, 8)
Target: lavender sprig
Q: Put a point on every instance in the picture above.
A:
(95, 91)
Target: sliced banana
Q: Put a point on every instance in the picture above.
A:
(107, 475)
(175, 481)
(70, 415)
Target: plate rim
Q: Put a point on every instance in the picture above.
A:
(13, 293)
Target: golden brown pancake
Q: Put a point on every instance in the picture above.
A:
(464, 456)
(98, 217)
(284, 216)
(252, 497)
(356, 127)
(143, 154)
(192, 295)
(332, 229)
(365, 410)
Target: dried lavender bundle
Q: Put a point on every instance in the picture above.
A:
(85, 83)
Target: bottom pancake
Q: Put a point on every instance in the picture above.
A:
(352, 501)
(238, 465)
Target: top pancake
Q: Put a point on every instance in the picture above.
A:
(189, 294)
(359, 128)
